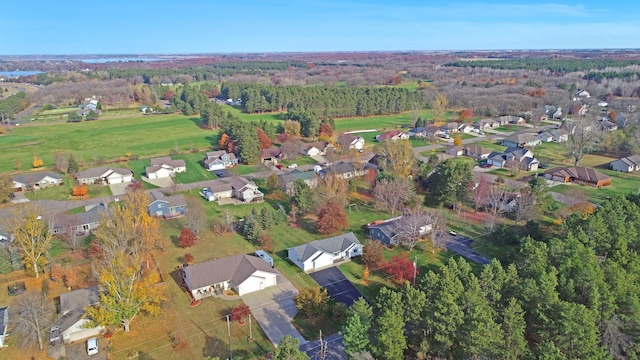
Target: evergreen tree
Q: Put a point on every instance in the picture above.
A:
(390, 341)
(364, 311)
(289, 349)
(302, 196)
(251, 228)
(355, 335)
(513, 345)
(266, 218)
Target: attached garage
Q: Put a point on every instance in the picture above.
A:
(78, 332)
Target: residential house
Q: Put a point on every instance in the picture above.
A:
(165, 206)
(105, 175)
(163, 167)
(545, 136)
(514, 158)
(512, 120)
(432, 131)
(343, 170)
(521, 140)
(218, 160)
(243, 274)
(351, 142)
(454, 150)
(628, 164)
(36, 181)
(476, 152)
(450, 127)
(580, 93)
(559, 135)
(271, 155)
(419, 132)
(316, 148)
(553, 112)
(73, 323)
(392, 135)
(4, 324)
(485, 124)
(579, 175)
(608, 125)
(323, 253)
(502, 120)
(235, 187)
(82, 223)
(385, 231)
(287, 180)
(579, 109)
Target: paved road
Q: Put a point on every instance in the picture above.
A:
(274, 309)
(338, 286)
(335, 348)
(461, 245)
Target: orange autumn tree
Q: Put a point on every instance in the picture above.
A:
(80, 190)
(224, 141)
(263, 139)
(458, 140)
(37, 161)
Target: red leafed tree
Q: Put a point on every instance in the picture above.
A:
(231, 147)
(187, 238)
(466, 115)
(224, 141)
(370, 177)
(95, 250)
(240, 311)
(326, 130)
(331, 218)
(187, 258)
(263, 139)
(168, 95)
(401, 268)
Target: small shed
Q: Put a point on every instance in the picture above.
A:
(264, 256)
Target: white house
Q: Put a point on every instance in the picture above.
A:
(35, 181)
(4, 324)
(106, 175)
(73, 324)
(235, 187)
(243, 274)
(514, 157)
(316, 148)
(218, 160)
(323, 253)
(165, 167)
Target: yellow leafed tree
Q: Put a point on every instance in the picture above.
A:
(37, 161)
(400, 157)
(32, 236)
(439, 107)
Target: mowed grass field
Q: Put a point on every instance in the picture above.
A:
(143, 136)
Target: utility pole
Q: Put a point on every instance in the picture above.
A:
(250, 332)
(229, 332)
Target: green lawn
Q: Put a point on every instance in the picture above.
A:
(300, 160)
(491, 145)
(195, 170)
(621, 184)
(64, 191)
(143, 136)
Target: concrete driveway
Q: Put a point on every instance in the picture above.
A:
(337, 285)
(274, 310)
(78, 351)
(461, 245)
(119, 189)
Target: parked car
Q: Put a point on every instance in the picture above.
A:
(279, 166)
(453, 233)
(485, 165)
(207, 194)
(92, 346)
(543, 166)
(292, 166)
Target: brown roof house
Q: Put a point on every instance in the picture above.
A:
(271, 155)
(476, 152)
(243, 274)
(578, 175)
(392, 135)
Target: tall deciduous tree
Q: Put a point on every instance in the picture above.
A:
(331, 218)
(400, 157)
(391, 195)
(439, 107)
(372, 254)
(6, 188)
(312, 300)
(196, 218)
(34, 314)
(263, 139)
(584, 137)
(187, 238)
(31, 235)
(414, 225)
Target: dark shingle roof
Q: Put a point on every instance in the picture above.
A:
(3, 326)
(34, 178)
(79, 299)
(173, 200)
(236, 268)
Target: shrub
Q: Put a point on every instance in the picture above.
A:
(187, 258)
(239, 311)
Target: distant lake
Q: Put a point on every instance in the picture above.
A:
(16, 73)
(117, 59)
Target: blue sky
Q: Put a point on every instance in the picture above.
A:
(215, 26)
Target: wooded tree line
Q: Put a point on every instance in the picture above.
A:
(555, 65)
(572, 295)
(324, 101)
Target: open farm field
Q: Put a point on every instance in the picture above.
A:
(90, 141)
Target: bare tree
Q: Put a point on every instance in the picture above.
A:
(524, 205)
(62, 162)
(416, 223)
(439, 107)
(291, 148)
(332, 188)
(70, 233)
(496, 203)
(392, 194)
(33, 317)
(196, 217)
(584, 137)
(480, 191)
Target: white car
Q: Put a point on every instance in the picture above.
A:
(292, 166)
(92, 346)
(453, 233)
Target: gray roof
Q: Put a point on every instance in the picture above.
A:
(388, 227)
(339, 168)
(166, 160)
(297, 174)
(330, 245)
(236, 268)
(98, 171)
(92, 215)
(173, 200)
(521, 138)
(79, 299)
(633, 160)
(34, 178)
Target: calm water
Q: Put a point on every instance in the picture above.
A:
(16, 73)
